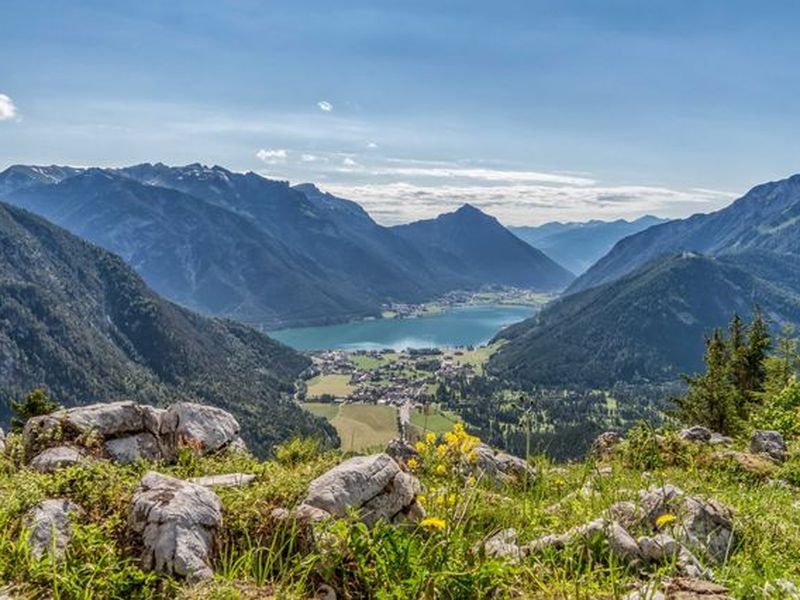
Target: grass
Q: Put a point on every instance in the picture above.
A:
(436, 421)
(364, 362)
(477, 357)
(336, 385)
(360, 426)
(260, 557)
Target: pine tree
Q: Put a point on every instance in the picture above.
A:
(759, 344)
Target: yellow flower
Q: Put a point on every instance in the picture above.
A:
(451, 500)
(665, 520)
(430, 438)
(439, 500)
(412, 463)
(441, 450)
(420, 446)
(441, 470)
(422, 499)
(433, 523)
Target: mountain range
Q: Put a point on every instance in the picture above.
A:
(641, 311)
(77, 320)
(578, 245)
(264, 252)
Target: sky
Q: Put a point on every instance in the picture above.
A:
(531, 110)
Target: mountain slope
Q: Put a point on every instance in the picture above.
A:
(76, 319)
(195, 253)
(471, 248)
(766, 218)
(648, 324)
(577, 246)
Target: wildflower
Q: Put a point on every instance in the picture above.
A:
(439, 500)
(420, 446)
(412, 463)
(441, 450)
(451, 500)
(441, 470)
(422, 499)
(433, 523)
(665, 520)
(430, 438)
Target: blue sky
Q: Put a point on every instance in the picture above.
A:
(531, 110)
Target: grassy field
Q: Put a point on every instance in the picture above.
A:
(477, 357)
(337, 385)
(360, 426)
(436, 421)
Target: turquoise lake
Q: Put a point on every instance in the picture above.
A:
(460, 326)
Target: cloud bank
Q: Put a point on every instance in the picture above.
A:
(8, 110)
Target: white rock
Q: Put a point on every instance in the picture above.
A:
(206, 429)
(2, 441)
(770, 443)
(127, 450)
(504, 545)
(227, 480)
(52, 459)
(178, 523)
(49, 527)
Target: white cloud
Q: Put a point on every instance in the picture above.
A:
(325, 106)
(309, 158)
(372, 145)
(485, 175)
(272, 156)
(349, 162)
(7, 108)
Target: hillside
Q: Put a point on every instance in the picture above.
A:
(648, 325)
(766, 218)
(470, 247)
(76, 319)
(577, 246)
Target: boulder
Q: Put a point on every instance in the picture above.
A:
(604, 444)
(503, 544)
(618, 541)
(178, 523)
(500, 467)
(127, 450)
(2, 441)
(49, 528)
(663, 548)
(696, 434)
(680, 588)
(204, 429)
(770, 443)
(373, 486)
(53, 459)
(703, 526)
(754, 464)
(400, 450)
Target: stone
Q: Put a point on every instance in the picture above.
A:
(128, 450)
(616, 537)
(717, 439)
(59, 457)
(604, 444)
(2, 441)
(229, 480)
(705, 526)
(696, 434)
(499, 467)
(204, 429)
(400, 450)
(770, 443)
(49, 528)
(689, 588)
(664, 548)
(178, 523)
(503, 545)
(754, 464)
(373, 486)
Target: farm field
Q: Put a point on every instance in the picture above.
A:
(436, 421)
(360, 426)
(337, 385)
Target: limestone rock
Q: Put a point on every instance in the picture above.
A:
(504, 545)
(374, 486)
(401, 450)
(705, 526)
(696, 434)
(500, 467)
(2, 441)
(618, 540)
(770, 443)
(665, 548)
(603, 445)
(227, 481)
(53, 459)
(49, 527)
(206, 429)
(127, 450)
(178, 523)
(754, 464)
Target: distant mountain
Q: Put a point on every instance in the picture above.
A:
(468, 248)
(647, 325)
(76, 319)
(766, 218)
(577, 246)
(261, 251)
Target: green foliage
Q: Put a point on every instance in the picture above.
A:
(297, 451)
(34, 404)
(781, 411)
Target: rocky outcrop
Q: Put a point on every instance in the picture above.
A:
(178, 523)
(500, 467)
(617, 539)
(681, 588)
(401, 450)
(49, 529)
(503, 544)
(58, 457)
(604, 444)
(126, 432)
(770, 443)
(228, 480)
(2, 441)
(374, 487)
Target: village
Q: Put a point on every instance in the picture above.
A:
(494, 294)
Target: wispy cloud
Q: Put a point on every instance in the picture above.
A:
(483, 175)
(8, 110)
(272, 156)
(325, 106)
